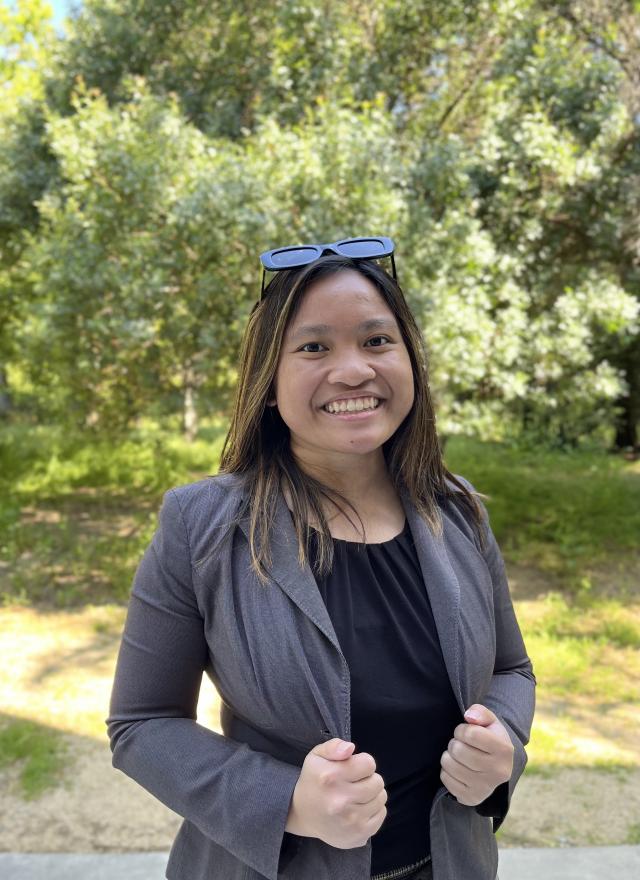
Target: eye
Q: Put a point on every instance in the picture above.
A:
(302, 348)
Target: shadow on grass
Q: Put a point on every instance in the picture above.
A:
(41, 753)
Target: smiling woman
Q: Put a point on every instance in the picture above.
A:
(376, 691)
(344, 448)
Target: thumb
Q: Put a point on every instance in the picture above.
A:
(480, 715)
(335, 749)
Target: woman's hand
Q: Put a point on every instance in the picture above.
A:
(339, 798)
(478, 758)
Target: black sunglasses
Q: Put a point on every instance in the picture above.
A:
(299, 255)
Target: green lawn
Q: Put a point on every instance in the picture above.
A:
(568, 514)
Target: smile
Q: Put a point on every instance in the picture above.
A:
(351, 405)
(355, 415)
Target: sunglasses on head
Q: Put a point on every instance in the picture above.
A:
(299, 255)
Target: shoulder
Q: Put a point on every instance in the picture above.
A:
(206, 505)
(457, 510)
(466, 483)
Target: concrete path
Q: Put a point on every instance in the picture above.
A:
(575, 863)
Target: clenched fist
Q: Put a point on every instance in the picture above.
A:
(478, 758)
(338, 797)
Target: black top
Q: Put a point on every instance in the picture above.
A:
(403, 711)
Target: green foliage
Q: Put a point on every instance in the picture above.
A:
(41, 750)
(25, 35)
(157, 152)
(47, 463)
(127, 268)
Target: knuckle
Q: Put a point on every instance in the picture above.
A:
(325, 778)
(335, 808)
(371, 762)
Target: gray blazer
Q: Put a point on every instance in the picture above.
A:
(284, 683)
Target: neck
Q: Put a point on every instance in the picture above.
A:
(362, 481)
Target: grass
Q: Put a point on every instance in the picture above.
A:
(40, 750)
(586, 659)
(633, 833)
(567, 513)
(76, 518)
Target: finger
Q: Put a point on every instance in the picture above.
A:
(472, 759)
(457, 771)
(476, 737)
(456, 788)
(479, 714)
(360, 766)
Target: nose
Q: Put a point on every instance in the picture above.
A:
(352, 370)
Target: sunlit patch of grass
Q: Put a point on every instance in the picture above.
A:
(589, 667)
(41, 751)
(567, 741)
(62, 665)
(586, 647)
(586, 661)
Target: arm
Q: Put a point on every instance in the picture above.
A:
(238, 797)
(511, 695)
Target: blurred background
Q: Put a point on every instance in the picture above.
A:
(149, 152)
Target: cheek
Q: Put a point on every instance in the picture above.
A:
(404, 381)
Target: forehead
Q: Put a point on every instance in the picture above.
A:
(342, 301)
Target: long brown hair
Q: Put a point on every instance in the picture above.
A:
(257, 443)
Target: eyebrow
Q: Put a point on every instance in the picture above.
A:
(371, 324)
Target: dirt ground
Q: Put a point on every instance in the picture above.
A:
(58, 671)
(99, 809)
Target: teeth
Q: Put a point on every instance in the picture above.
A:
(353, 405)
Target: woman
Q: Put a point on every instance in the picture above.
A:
(376, 694)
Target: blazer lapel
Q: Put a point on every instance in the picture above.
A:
(298, 583)
(442, 588)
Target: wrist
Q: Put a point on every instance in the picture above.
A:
(295, 823)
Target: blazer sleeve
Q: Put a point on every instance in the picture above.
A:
(511, 695)
(235, 795)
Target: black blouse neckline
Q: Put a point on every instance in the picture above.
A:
(371, 544)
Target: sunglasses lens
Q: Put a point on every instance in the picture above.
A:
(294, 256)
(368, 247)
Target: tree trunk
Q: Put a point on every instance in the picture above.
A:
(5, 398)
(626, 424)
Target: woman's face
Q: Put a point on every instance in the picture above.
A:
(346, 359)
